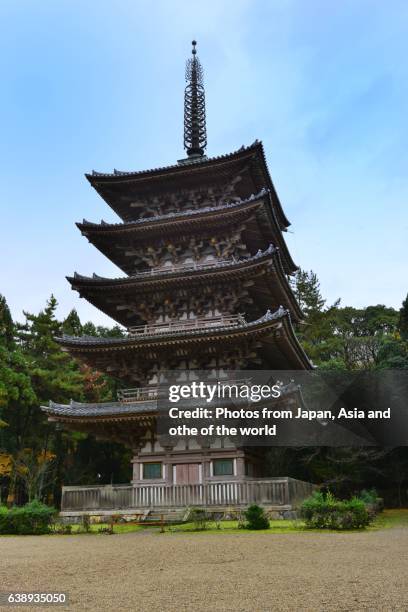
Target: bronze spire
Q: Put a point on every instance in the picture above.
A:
(195, 133)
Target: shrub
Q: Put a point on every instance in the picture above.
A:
(373, 503)
(86, 523)
(32, 519)
(256, 518)
(368, 496)
(326, 512)
(3, 518)
(199, 518)
(62, 529)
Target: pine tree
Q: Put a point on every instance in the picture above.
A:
(72, 324)
(54, 373)
(6, 324)
(306, 288)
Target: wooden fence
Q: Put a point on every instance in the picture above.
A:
(273, 491)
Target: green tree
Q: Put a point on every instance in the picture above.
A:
(316, 331)
(338, 337)
(403, 320)
(6, 324)
(358, 334)
(53, 372)
(306, 288)
(393, 353)
(89, 329)
(71, 326)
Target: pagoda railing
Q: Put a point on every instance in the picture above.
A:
(240, 492)
(185, 267)
(137, 394)
(187, 324)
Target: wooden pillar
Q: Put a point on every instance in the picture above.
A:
(168, 463)
(240, 463)
(206, 471)
(136, 463)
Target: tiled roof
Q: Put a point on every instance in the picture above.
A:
(102, 180)
(78, 409)
(96, 279)
(95, 340)
(174, 215)
(197, 162)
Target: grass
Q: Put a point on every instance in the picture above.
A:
(386, 520)
(276, 526)
(96, 528)
(397, 517)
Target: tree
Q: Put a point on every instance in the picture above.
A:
(360, 333)
(35, 470)
(89, 329)
(53, 372)
(403, 320)
(315, 332)
(306, 287)
(71, 326)
(338, 337)
(6, 324)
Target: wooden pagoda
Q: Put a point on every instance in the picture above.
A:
(204, 287)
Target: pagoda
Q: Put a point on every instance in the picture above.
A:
(205, 286)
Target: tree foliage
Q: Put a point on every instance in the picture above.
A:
(403, 320)
(33, 370)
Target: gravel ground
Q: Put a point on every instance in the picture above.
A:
(151, 572)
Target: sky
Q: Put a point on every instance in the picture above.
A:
(99, 85)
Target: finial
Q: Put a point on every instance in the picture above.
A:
(195, 133)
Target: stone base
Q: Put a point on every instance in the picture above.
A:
(142, 514)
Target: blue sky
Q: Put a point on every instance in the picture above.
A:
(98, 84)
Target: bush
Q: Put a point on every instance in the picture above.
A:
(368, 496)
(199, 518)
(373, 503)
(32, 519)
(326, 512)
(86, 523)
(256, 518)
(62, 529)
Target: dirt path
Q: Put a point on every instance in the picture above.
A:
(213, 572)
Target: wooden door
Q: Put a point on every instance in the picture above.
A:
(187, 473)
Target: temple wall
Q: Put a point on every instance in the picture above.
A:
(188, 463)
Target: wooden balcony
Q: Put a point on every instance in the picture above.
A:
(137, 394)
(279, 492)
(187, 267)
(143, 394)
(179, 325)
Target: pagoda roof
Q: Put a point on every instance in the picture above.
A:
(108, 411)
(173, 218)
(102, 410)
(274, 330)
(123, 423)
(117, 187)
(266, 265)
(109, 238)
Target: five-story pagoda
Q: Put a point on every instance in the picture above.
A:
(205, 287)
